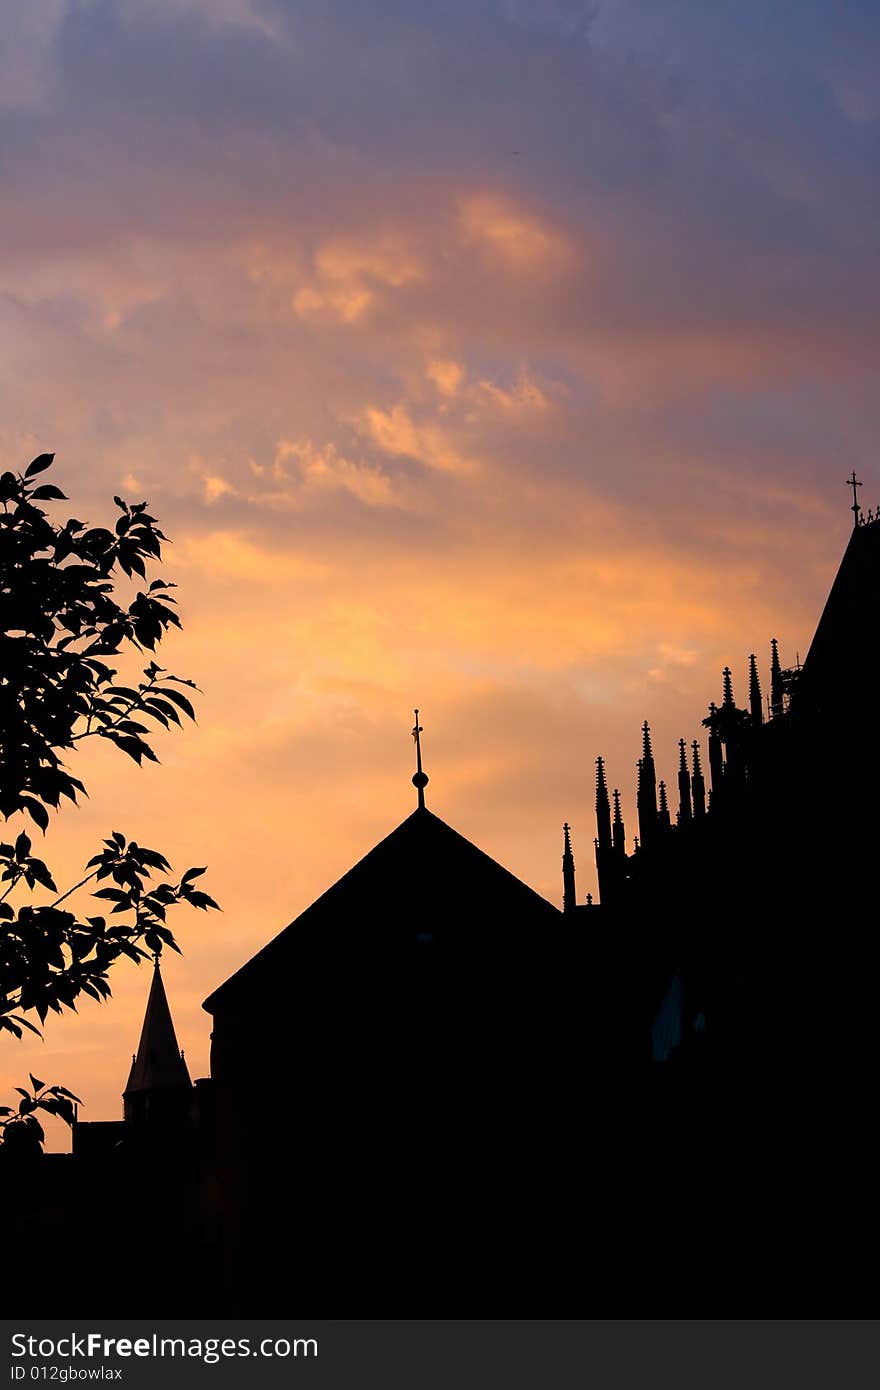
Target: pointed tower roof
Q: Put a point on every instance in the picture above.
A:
(646, 795)
(755, 706)
(698, 785)
(158, 1064)
(569, 898)
(617, 829)
(685, 809)
(663, 812)
(647, 754)
(842, 667)
(776, 691)
(603, 806)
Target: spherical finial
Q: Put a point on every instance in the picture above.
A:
(420, 779)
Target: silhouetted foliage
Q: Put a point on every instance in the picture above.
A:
(20, 1130)
(59, 616)
(61, 621)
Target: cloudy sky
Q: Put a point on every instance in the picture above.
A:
(506, 359)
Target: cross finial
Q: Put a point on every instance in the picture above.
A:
(856, 510)
(420, 779)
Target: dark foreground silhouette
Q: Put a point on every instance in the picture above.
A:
(435, 1094)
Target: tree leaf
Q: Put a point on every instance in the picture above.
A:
(48, 493)
(178, 699)
(39, 464)
(37, 813)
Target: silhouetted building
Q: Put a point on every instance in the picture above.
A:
(133, 1199)
(460, 1074)
(760, 964)
(158, 1092)
(397, 1034)
(159, 1100)
(436, 1094)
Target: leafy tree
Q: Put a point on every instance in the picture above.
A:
(62, 621)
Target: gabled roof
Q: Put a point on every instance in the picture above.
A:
(424, 881)
(158, 1064)
(843, 663)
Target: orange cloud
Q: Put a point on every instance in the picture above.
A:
(446, 375)
(326, 469)
(516, 238)
(525, 395)
(216, 487)
(233, 555)
(395, 433)
(349, 272)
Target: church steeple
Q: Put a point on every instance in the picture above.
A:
(159, 1078)
(729, 730)
(684, 786)
(755, 692)
(698, 784)
(776, 702)
(569, 894)
(716, 756)
(647, 790)
(618, 832)
(603, 807)
(607, 840)
(663, 814)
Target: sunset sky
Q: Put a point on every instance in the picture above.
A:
(504, 357)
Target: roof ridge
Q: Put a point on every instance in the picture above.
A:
(398, 840)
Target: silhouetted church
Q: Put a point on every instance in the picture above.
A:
(407, 1018)
(159, 1098)
(470, 1080)
(436, 1094)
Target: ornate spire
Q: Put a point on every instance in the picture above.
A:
(755, 692)
(420, 778)
(569, 896)
(618, 833)
(728, 728)
(684, 786)
(647, 789)
(663, 813)
(776, 690)
(647, 753)
(716, 756)
(603, 807)
(698, 785)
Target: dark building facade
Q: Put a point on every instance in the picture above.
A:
(671, 1078)
(436, 1094)
(418, 1017)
